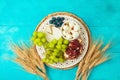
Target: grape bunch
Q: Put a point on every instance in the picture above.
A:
(57, 21)
(55, 50)
(39, 38)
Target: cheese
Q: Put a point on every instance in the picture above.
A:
(70, 30)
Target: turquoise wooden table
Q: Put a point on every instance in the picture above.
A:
(19, 18)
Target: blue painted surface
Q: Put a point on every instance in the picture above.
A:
(18, 19)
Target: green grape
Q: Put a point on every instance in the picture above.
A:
(43, 40)
(55, 53)
(58, 47)
(38, 40)
(40, 34)
(40, 44)
(35, 42)
(51, 61)
(45, 46)
(35, 33)
(43, 59)
(43, 34)
(46, 60)
(61, 56)
(58, 55)
(48, 52)
(59, 42)
(51, 45)
(66, 41)
(64, 46)
(33, 38)
(61, 60)
(56, 60)
(52, 57)
(56, 50)
(61, 39)
(47, 55)
(54, 41)
(63, 50)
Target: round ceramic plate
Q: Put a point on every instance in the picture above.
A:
(55, 33)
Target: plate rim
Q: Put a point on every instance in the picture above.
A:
(74, 16)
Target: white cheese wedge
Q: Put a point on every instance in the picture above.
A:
(52, 33)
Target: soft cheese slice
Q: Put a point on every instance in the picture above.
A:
(48, 29)
(52, 32)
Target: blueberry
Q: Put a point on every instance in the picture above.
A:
(59, 18)
(62, 18)
(51, 21)
(56, 25)
(53, 18)
(57, 21)
(61, 23)
(54, 21)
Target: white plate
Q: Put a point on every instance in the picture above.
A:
(84, 35)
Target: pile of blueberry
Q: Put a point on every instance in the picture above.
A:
(57, 21)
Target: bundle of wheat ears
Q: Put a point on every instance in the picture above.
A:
(31, 62)
(95, 56)
(29, 59)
